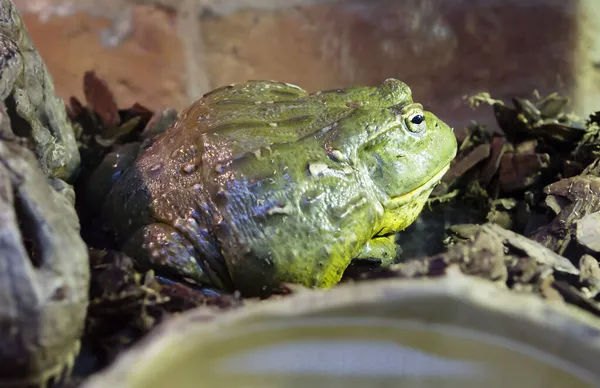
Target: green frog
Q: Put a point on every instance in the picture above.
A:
(262, 183)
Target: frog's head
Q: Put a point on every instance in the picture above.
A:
(407, 160)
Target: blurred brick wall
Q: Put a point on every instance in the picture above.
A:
(169, 52)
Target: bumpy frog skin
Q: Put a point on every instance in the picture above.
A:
(263, 183)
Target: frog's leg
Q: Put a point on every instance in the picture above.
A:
(380, 248)
(162, 248)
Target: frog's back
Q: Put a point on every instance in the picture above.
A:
(246, 117)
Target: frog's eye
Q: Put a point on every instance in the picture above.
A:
(416, 122)
(417, 119)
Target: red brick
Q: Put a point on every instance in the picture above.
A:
(148, 67)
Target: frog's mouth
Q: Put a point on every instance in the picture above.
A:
(411, 195)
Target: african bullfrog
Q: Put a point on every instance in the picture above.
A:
(263, 183)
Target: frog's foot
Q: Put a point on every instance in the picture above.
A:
(381, 249)
(163, 249)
